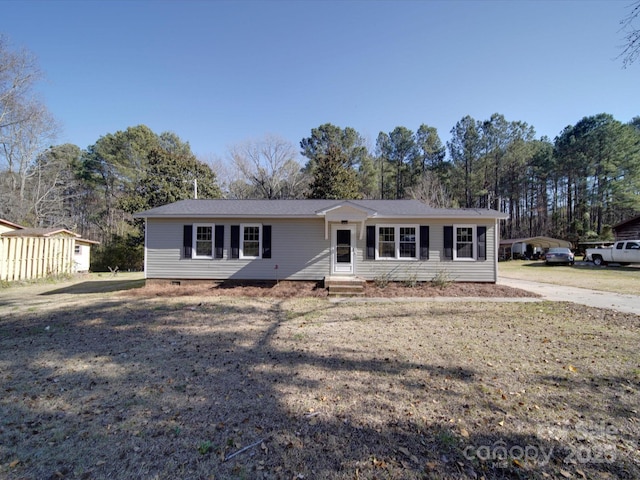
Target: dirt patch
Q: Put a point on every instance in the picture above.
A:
(263, 388)
(456, 289)
(289, 289)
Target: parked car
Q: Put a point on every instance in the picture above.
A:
(561, 255)
(622, 252)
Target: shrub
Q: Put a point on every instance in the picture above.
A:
(441, 279)
(382, 280)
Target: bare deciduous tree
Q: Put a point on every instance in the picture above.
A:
(631, 48)
(266, 168)
(18, 73)
(430, 190)
(22, 141)
(26, 130)
(53, 191)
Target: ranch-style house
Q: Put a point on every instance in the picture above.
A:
(207, 240)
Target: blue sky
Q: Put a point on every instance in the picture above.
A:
(218, 73)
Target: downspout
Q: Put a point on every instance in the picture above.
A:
(496, 249)
(145, 248)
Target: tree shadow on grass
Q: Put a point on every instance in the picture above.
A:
(172, 390)
(97, 286)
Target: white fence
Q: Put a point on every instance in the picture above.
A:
(28, 258)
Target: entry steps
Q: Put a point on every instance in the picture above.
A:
(344, 286)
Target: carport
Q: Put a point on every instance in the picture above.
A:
(519, 245)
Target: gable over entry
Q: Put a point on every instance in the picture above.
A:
(345, 213)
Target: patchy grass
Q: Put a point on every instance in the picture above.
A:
(615, 279)
(140, 387)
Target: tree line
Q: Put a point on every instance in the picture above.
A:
(575, 187)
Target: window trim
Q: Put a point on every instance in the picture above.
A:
(474, 243)
(194, 240)
(241, 246)
(396, 239)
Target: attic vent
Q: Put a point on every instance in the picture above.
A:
(175, 282)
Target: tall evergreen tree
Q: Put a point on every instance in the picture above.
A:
(399, 149)
(598, 160)
(465, 151)
(430, 151)
(333, 178)
(352, 146)
(170, 177)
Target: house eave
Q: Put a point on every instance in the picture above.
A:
(222, 215)
(376, 216)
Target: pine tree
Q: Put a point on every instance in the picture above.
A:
(333, 178)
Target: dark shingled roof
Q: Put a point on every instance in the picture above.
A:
(309, 208)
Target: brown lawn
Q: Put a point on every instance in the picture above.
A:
(204, 386)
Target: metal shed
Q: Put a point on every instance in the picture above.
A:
(507, 246)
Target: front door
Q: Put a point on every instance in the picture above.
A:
(343, 249)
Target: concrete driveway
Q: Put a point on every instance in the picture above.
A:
(592, 298)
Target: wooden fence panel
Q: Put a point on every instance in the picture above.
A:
(29, 258)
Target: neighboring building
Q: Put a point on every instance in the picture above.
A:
(628, 230)
(31, 253)
(315, 239)
(531, 247)
(6, 226)
(82, 254)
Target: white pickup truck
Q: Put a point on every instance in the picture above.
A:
(622, 252)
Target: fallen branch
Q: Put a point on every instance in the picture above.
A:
(244, 449)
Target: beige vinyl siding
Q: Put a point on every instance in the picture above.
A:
(298, 248)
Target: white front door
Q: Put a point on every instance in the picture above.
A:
(343, 247)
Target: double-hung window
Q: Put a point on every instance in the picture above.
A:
(250, 241)
(397, 242)
(386, 242)
(202, 241)
(464, 242)
(407, 242)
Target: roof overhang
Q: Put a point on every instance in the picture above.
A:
(38, 232)
(625, 222)
(84, 241)
(542, 242)
(10, 224)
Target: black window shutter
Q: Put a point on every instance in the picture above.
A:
(448, 242)
(482, 243)
(235, 241)
(219, 240)
(266, 241)
(424, 242)
(187, 241)
(371, 241)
